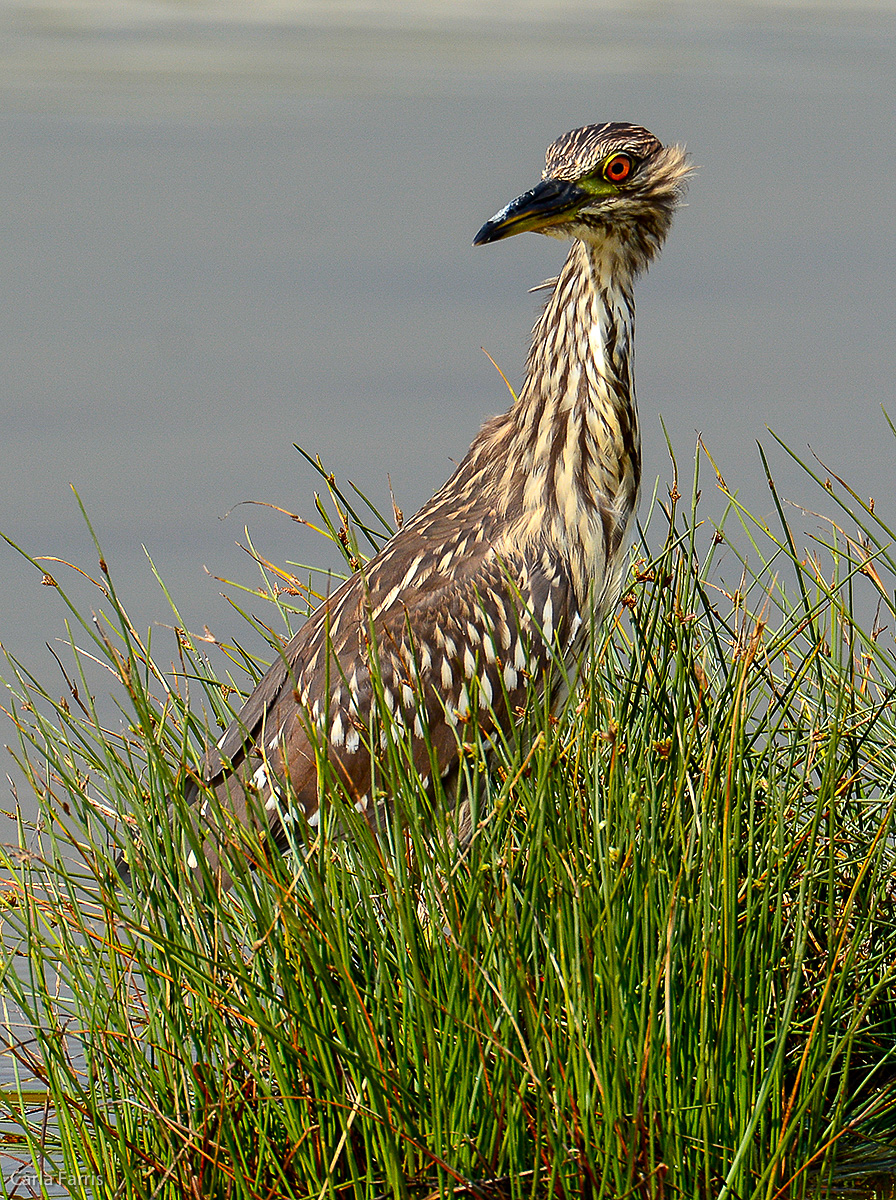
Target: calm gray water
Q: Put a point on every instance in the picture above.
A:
(228, 229)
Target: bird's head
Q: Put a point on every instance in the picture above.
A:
(611, 185)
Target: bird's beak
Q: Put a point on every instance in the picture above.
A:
(550, 202)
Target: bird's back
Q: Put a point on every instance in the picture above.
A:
(449, 621)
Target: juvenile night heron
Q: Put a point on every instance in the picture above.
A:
(495, 584)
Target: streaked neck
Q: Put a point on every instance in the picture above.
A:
(572, 447)
(579, 390)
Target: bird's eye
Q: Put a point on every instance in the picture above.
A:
(618, 168)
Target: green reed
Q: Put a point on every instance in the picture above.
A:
(662, 966)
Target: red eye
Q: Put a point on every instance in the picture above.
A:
(618, 168)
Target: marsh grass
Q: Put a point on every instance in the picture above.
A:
(663, 964)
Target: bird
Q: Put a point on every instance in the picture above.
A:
(492, 588)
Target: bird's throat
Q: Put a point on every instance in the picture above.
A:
(581, 469)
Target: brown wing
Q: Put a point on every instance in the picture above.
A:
(445, 622)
